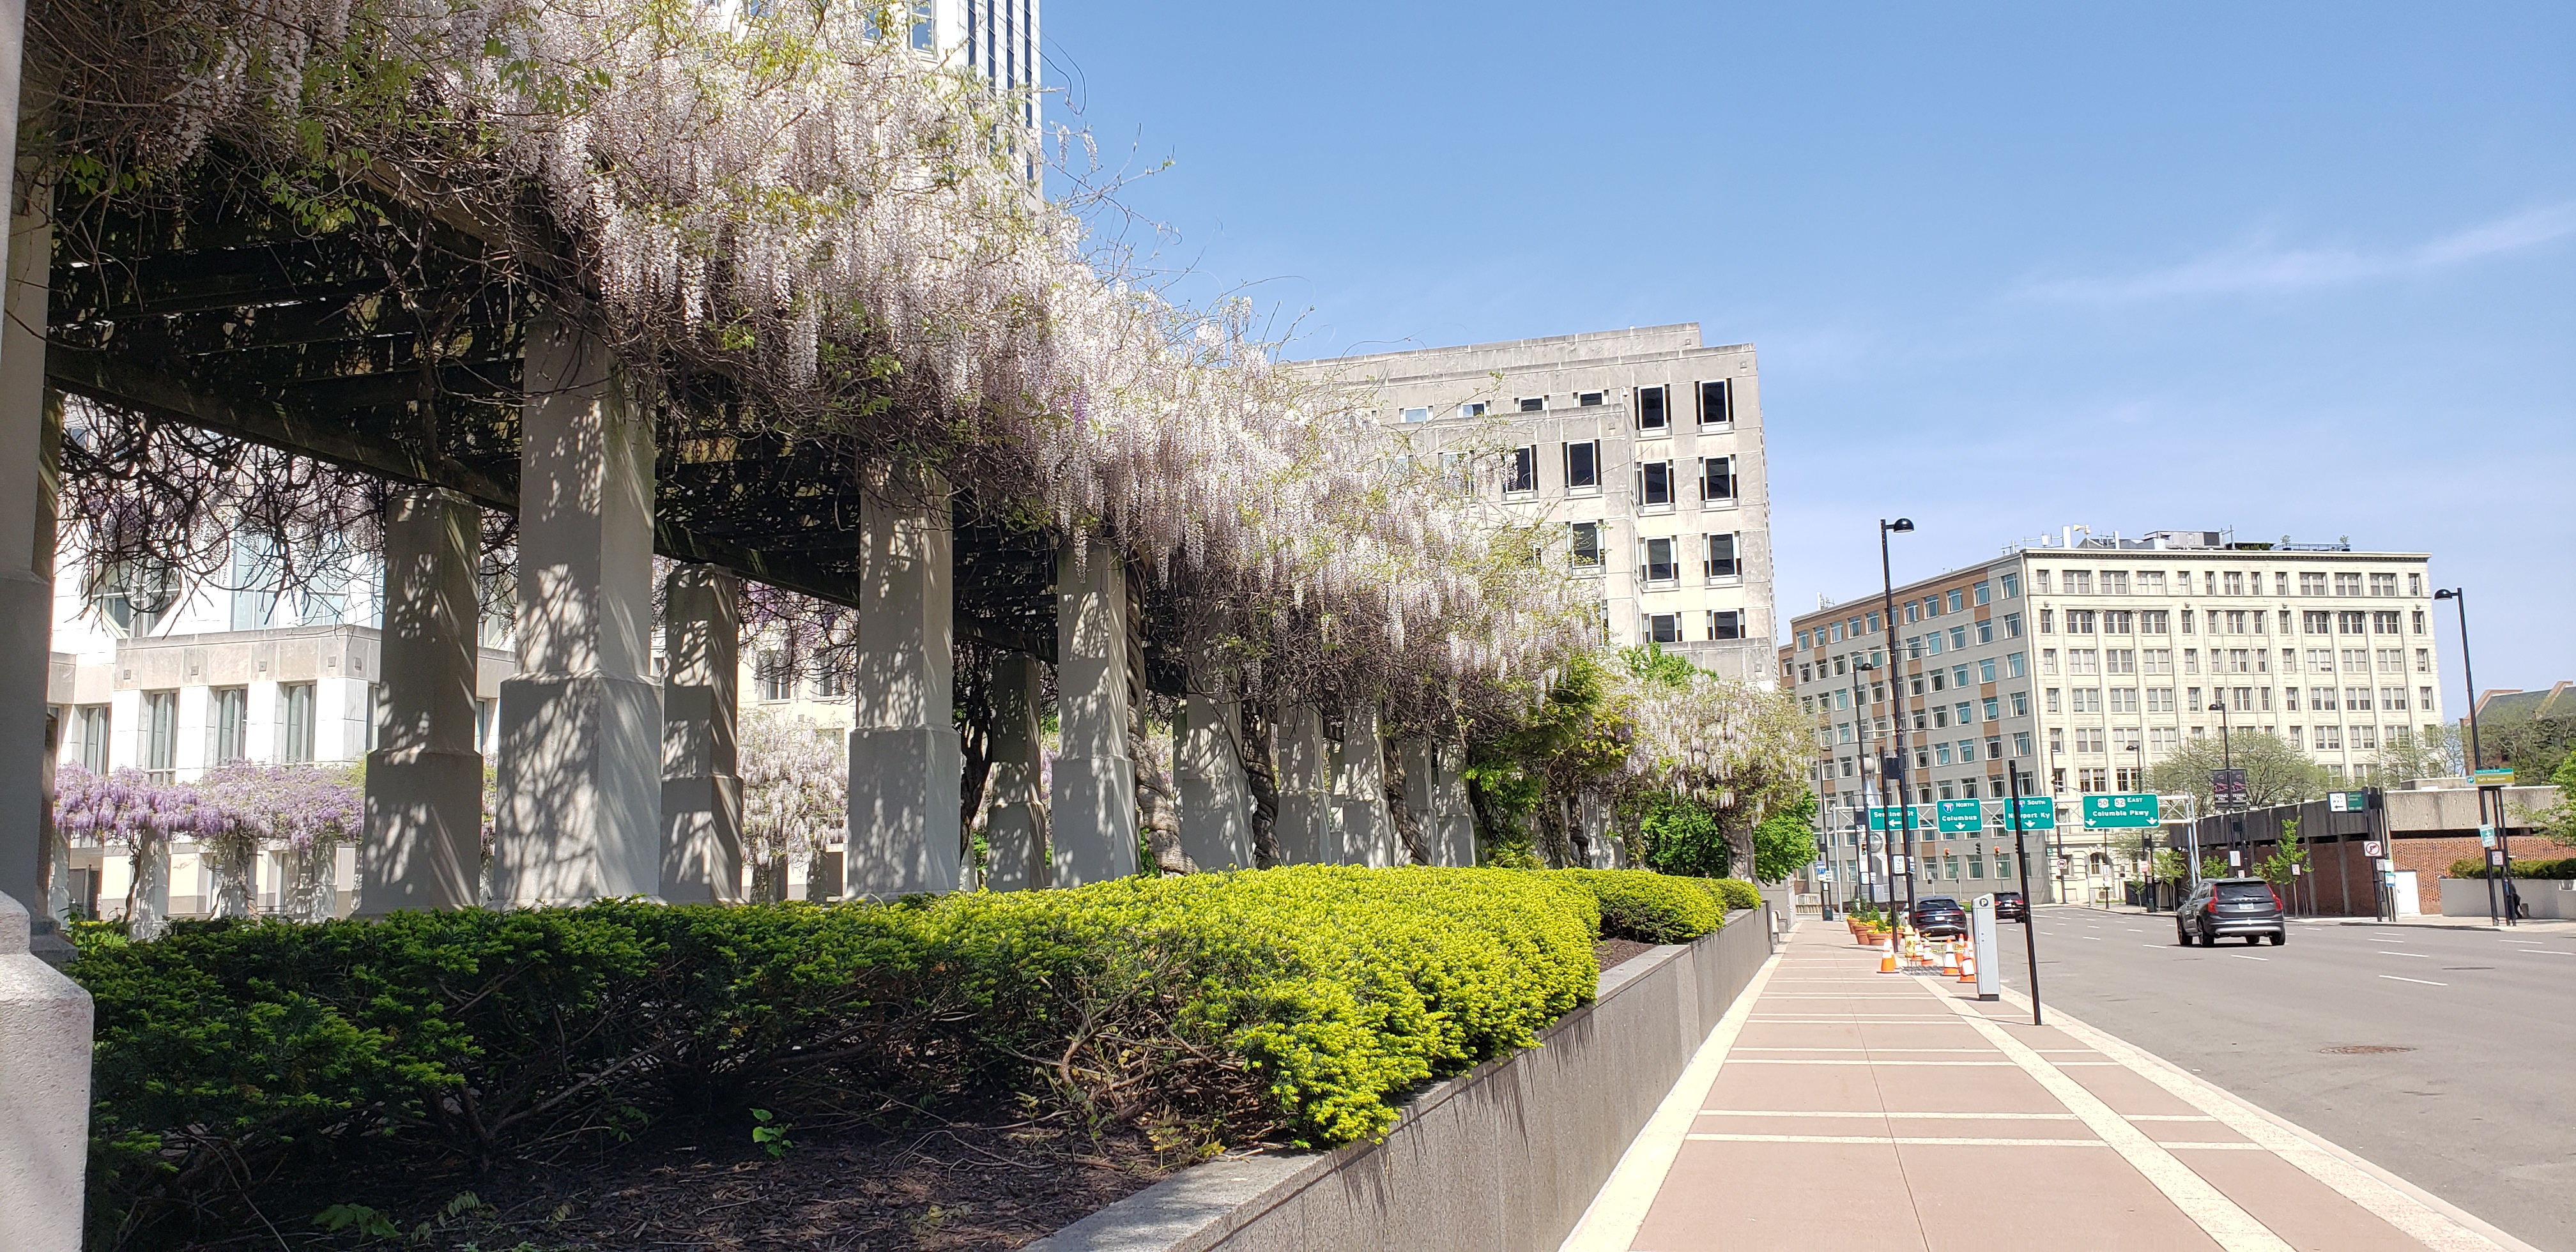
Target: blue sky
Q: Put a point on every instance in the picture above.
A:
(2291, 270)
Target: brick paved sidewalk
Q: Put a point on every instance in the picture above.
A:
(1837, 1106)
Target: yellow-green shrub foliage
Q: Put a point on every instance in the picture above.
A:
(1735, 893)
(1649, 907)
(1301, 1003)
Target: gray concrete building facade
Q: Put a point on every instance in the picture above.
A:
(1642, 452)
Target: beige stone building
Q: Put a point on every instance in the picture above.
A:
(1642, 449)
(2081, 662)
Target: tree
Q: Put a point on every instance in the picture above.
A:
(2275, 772)
(1786, 840)
(795, 791)
(2288, 859)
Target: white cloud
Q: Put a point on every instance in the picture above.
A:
(2257, 269)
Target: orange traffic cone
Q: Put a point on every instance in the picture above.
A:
(1949, 959)
(1887, 958)
(1967, 967)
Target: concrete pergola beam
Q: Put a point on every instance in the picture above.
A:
(581, 723)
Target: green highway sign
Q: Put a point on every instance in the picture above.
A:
(1961, 816)
(1892, 817)
(2494, 777)
(2038, 813)
(2117, 811)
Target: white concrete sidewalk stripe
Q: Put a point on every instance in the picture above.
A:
(2422, 1216)
(1872, 1115)
(1794, 1060)
(1611, 1222)
(2209, 1208)
(1908, 1141)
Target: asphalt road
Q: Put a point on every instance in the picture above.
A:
(2479, 1108)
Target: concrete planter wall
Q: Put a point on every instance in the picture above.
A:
(2544, 899)
(1506, 1156)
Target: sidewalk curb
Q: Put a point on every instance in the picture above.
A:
(2140, 1059)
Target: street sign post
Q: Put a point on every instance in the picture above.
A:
(1961, 816)
(2486, 837)
(2370, 848)
(2114, 812)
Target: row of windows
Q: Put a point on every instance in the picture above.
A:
(227, 729)
(2151, 582)
(2246, 699)
(1659, 559)
(2233, 660)
(1668, 627)
(2232, 622)
(1954, 600)
(1656, 485)
(1652, 406)
(2010, 665)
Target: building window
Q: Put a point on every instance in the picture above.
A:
(1655, 483)
(93, 725)
(228, 725)
(1583, 466)
(774, 677)
(295, 722)
(2330, 738)
(1716, 403)
(2095, 781)
(1417, 415)
(1587, 545)
(2383, 584)
(2012, 665)
(1664, 627)
(1721, 557)
(2347, 584)
(1472, 408)
(1658, 560)
(1651, 412)
(2012, 586)
(1522, 477)
(1532, 404)
(831, 684)
(1588, 399)
(161, 735)
(2048, 621)
(2312, 584)
(1726, 624)
(1717, 478)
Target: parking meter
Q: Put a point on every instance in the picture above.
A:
(1981, 929)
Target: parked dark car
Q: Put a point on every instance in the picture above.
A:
(2010, 907)
(1939, 915)
(2231, 907)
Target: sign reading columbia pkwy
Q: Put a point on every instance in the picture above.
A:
(2114, 812)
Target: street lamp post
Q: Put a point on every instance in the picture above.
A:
(1897, 710)
(2459, 598)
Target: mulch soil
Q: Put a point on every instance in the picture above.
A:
(1609, 952)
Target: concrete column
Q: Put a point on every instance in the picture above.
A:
(1092, 806)
(1359, 794)
(1303, 828)
(701, 783)
(1455, 842)
(905, 761)
(424, 844)
(31, 434)
(45, 1026)
(1421, 793)
(581, 723)
(1207, 768)
(1015, 825)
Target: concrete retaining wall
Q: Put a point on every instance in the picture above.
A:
(2543, 899)
(1506, 1156)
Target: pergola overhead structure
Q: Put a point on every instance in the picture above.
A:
(394, 347)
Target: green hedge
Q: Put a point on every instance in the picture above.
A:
(1300, 1003)
(2475, 867)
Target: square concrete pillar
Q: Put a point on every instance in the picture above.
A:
(424, 844)
(31, 437)
(1421, 793)
(1092, 807)
(1359, 795)
(701, 778)
(581, 723)
(1207, 768)
(905, 761)
(1304, 826)
(1454, 830)
(1015, 826)
(45, 1050)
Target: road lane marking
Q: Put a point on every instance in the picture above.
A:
(2426, 981)
(2245, 957)
(2421, 956)
(2234, 1229)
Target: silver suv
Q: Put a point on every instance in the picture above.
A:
(2231, 906)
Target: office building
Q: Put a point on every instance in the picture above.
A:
(1643, 445)
(2081, 663)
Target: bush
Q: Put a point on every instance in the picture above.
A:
(1649, 907)
(1300, 1002)
(2475, 867)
